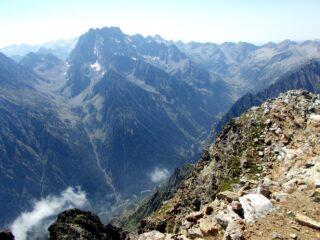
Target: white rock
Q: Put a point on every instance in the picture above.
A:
(278, 131)
(234, 231)
(255, 206)
(194, 233)
(280, 196)
(153, 235)
(226, 216)
(314, 117)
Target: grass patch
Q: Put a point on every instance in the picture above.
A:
(254, 169)
(226, 184)
(162, 211)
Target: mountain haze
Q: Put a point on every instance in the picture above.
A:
(145, 104)
(42, 150)
(306, 77)
(116, 114)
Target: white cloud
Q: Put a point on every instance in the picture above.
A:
(159, 174)
(47, 208)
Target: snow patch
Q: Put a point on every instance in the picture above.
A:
(152, 58)
(96, 66)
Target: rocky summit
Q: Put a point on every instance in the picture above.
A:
(260, 179)
(77, 224)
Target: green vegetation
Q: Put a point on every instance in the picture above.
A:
(170, 225)
(254, 169)
(226, 184)
(162, 211)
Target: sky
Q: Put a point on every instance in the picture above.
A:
(256, 21)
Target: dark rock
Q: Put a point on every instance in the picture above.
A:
(6, 235)
(227, 196)
(208, 210)
(77, 224)
(315, 196)
(159, 225)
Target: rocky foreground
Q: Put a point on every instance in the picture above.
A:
(260, 179)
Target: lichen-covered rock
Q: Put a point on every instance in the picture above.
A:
(77, 224)
(235, 231)
(227, 196)
(226, 216)
(152, 235)
(208, 226)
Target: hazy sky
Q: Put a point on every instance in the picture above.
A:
(258, 21)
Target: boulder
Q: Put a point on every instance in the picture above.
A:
(315, 196)
(194, 217)
(277, 236)
(208, 227)
(235, 231)
(6, 235)
(153, 235)
(226, 216)
(194, 233)
(227, 196)
(255, 206)
(280, 196)
(306, 221)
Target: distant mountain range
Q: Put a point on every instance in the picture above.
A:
(120, 112)
(60, 48)
(305, 77)
(247, 67)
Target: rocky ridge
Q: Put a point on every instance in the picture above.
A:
(306, 77)
(258, 180)
(77, 224)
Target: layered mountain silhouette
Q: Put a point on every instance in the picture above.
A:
(306, 77)
(122, 112)
(247, 67)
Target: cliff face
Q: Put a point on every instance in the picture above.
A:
(263, 164)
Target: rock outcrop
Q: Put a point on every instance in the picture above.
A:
(6, 235)
(258, 180)
(77, 224)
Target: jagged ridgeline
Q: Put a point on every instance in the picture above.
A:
(253, 182)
